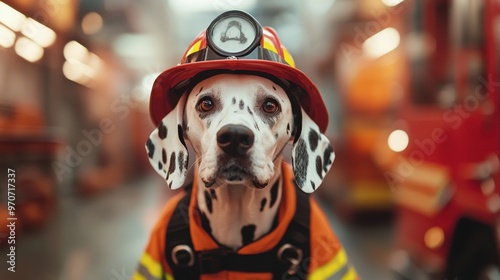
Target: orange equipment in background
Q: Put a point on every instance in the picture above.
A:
(369, 93)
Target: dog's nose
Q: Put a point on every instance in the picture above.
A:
(235, 140)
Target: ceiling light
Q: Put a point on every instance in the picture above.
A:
(392, 3)
(39, 33)
(75, 51)
(28, 49)
(382, 43)
(10, 17)
(7, 37)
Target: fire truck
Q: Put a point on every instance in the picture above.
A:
(445, 171)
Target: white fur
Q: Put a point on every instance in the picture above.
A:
(238, 203)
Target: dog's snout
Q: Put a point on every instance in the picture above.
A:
(235, 140)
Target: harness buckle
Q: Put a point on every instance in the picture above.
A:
(183, 256)
(291, 255)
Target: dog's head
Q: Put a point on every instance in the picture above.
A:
(238, 126)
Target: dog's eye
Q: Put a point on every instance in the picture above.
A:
(205, 104)
(270, 106)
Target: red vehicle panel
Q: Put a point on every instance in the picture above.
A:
(445, 179)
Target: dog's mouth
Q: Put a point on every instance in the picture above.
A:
(235, 173)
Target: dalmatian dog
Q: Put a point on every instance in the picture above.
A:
(238, 126)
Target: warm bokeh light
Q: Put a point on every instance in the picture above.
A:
(81, 65)
(10, 17)
(7, 37)
(39, 33)
(398, 140)
(94, 63)
(91, 23)
(434, 237)
(382, 43)
(392, 3)
(75, 71)
(72, 70)
(192, 6)
(75, 51)
(28, 49)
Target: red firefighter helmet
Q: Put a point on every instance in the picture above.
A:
(236, 43)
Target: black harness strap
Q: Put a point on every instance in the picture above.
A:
(298, 235)
(225, 259)
(178, 234)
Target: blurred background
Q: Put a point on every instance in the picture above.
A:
(412, 88)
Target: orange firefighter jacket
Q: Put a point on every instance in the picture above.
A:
(328, 260)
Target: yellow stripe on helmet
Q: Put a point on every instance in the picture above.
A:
(268, 44)
(288, 57)
(194, 48)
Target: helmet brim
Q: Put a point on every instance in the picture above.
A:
(164, 98)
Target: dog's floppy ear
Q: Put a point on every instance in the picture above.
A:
(312, 153)
(166, 147)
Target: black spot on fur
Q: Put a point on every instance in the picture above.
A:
(171, 167)
(180, 135)
(209, 122)
(262, 204)
(163, 156)
(256, 126)
(200, 89)
(208, 201)
(313, 185)
(276, 135)
(241, 104)
(170, 185)
(160, 166)
(247, 234)
(319, 167)
(213, 194)
(233, 100)
(249, 110)
(274, 193)
(270, 121)
(288, 129)
(162, 131)
(151, 148)
(186, 161)
(327, 156)
(301, 161)
(205, 223)
(274, 87)
(180, 161)
(313, 139)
